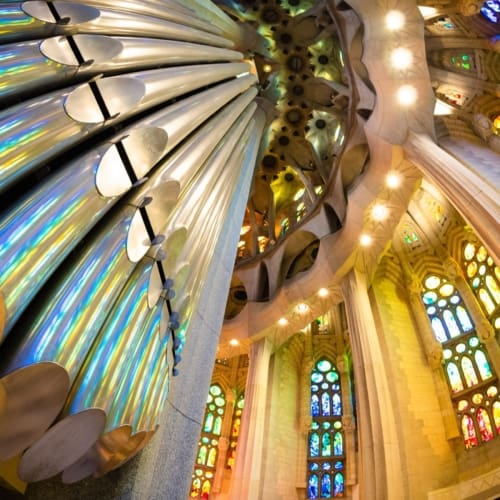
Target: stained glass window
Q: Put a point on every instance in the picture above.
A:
(235, 431)
(326, 439)
(484, 279)
(491, 11)
(206, 461)
(468, 371)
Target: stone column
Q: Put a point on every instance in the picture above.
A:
(247, 472)
(475, 199)
(380, 466)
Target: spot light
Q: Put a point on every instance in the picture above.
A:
(401, 58)
(302, 308)
(393, 180)
(234, 342)
(380, 212)
(394, 20)
(282, 322)
(365, 240)
(267, 68)
(407, 95)
(323, 292)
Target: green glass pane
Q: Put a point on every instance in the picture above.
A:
(315, 426)
(220, 401)
(205, 440)
(332, 376)
(337, 425)
(473, 341)
(460, 348)
(326, 425)
(429, 298)
(215, 390)
(324, 366)
(316, 377)
(324, 386)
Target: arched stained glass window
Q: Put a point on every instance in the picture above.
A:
(208, 446)
(338, 485)
(326, 436)
(466, 361)
(235, 430)
(484, 279)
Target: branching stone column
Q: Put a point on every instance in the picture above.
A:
(474, 198)
(247, 473)
(380, 474)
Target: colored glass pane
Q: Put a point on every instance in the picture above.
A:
(315, 426)
(326, 425)
(325, 404)
(496, 415)
(442, 303)
(431, 310)
(324, 366)
(337, 425)
(460, 348)
(473, 341)
(446, 290)
(455, 299)
(312, 489)
(477, 398)
(324, 385)
(315, 405)
(314, 445)
(339, 465)
(482, 270)
(314, 466)
(336, 405)
(483, 420)
(220, 401)
(469, 432)
(472, 269)
(493, 288)
(218, 426)
(212, 456)
(447, 353)
(326, 445)
(314, 388)
(202, 456)
(469, 372)
(462, 405)
(476, 282)
(317, 377)
(492, 391)
(206, 488)
(482, 254)
(338, 445)
(215, 390)
(326, 486)
(469, 251)
(432, 282)
(437, 328)
(326, 466)
(451, 323)
(338, 485)
(332, 377)
(430, 298)
(482, 365)
(464, 319)
(209, 422)
(454, 378)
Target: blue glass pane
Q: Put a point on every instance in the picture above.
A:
(464, 319)
(451, 323)
(326, 466)
(209, 422)
(483, 365)
(314, 445)
(314, 388)
(314, 405)
(338, 446)
(339, 465)
(313, 466)
(325, 404)
(438, 329)
(338, 485)
(429, 298)
(317, 377)
(337, 405)
(326, 486)
(326, 445)
(312, 490)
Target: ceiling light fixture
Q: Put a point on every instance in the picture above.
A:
(302, 308)
(323, 292)
(234, 342)
(282, 322)
(380, 212)
(407, 95)
(394, 20)
(393, 180)
(365, 240)
(401, 58)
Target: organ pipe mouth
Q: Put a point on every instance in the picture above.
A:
(22, 419)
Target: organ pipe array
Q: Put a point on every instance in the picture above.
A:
(127, 132)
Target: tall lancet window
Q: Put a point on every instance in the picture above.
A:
(326, 445)
(206, 460)
(484, 278)
(472, 382)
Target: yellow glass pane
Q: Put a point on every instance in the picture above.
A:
(469, 251)
(432, 282)
(446, 290)
(482, 254)
(471, 269)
